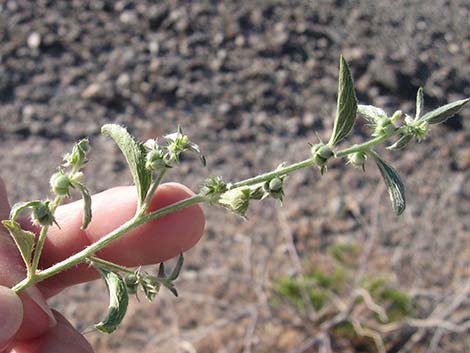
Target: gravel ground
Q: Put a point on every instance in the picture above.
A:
(246, 80)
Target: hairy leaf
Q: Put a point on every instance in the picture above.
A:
(370, 113)
(24, 240)
(20, 206)
(400, 143)
(395, 187)
(118, 301)
(135, 156)
(86, 204)
(419, 103)
(346, 106)
(445, 112)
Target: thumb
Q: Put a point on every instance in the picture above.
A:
(11, 315)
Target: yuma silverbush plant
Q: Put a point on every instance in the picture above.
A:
(150, 161)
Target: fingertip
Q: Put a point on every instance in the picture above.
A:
(11, 314)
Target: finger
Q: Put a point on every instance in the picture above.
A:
(11, 315)
(62, 338)
(154, 242)
(37, 316)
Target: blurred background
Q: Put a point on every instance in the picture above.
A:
(252, 82)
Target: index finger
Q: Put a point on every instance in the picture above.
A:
(150, 243)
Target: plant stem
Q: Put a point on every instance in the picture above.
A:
(81, 256)
(108, 264)
(41, 239)
(309, 162)
(141, 218)
(150, 192)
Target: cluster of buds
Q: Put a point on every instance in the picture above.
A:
(161, 157)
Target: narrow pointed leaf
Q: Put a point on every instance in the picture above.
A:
(401, 143)
(346, 106)
(161, 271)
(419, 103)
(86, 204)
(24, 240)
(395, 186)
(118, 301)
(135, 156)
(20, 206)
(176, 271)
(370, 113)
(445, 112)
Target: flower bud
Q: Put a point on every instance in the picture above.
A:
(132, 283)
(42, 214)
(60, 184)
(154, 160)
(237, 200)
(357, 159)
(321, 153)
(275, 184)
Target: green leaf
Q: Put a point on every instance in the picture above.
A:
(400, 143)
(176, 271)
(395, 187)
(419, 103)
(24, 240)
(346, 106)
(20, 206)
(370, 113)
(443, 113)
(86, 204)
(118, 301)
(135, 156)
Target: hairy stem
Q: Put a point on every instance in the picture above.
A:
(98, 245)
(141, 218)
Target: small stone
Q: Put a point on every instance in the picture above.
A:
(34, 40)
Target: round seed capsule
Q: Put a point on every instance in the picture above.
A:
(60, 184)
(275, 184)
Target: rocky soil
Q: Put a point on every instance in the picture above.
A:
(252, 82)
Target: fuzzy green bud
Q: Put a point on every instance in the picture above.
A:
(42, 214)
(132, 283)
(237, 200)
(275, 184)
(154, 160)
(357, 159)
(321, 153)
(60, 184)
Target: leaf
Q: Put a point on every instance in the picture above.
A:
(86, 204)
(176, 271)
(443, 113)
(135, 156)
(419, 103)
(346, 106)
(395, 187)
(20, 206)
(118, 301)
(400, 143)
(370, 113)
(24, 240)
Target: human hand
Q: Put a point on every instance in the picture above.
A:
(27, 324)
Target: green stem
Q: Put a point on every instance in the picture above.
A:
(42, 238)
(309, 162)
(150, 192)
(98, 245)
(141, 218)
(108, 264)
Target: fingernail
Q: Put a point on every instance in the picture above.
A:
(11, 315)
